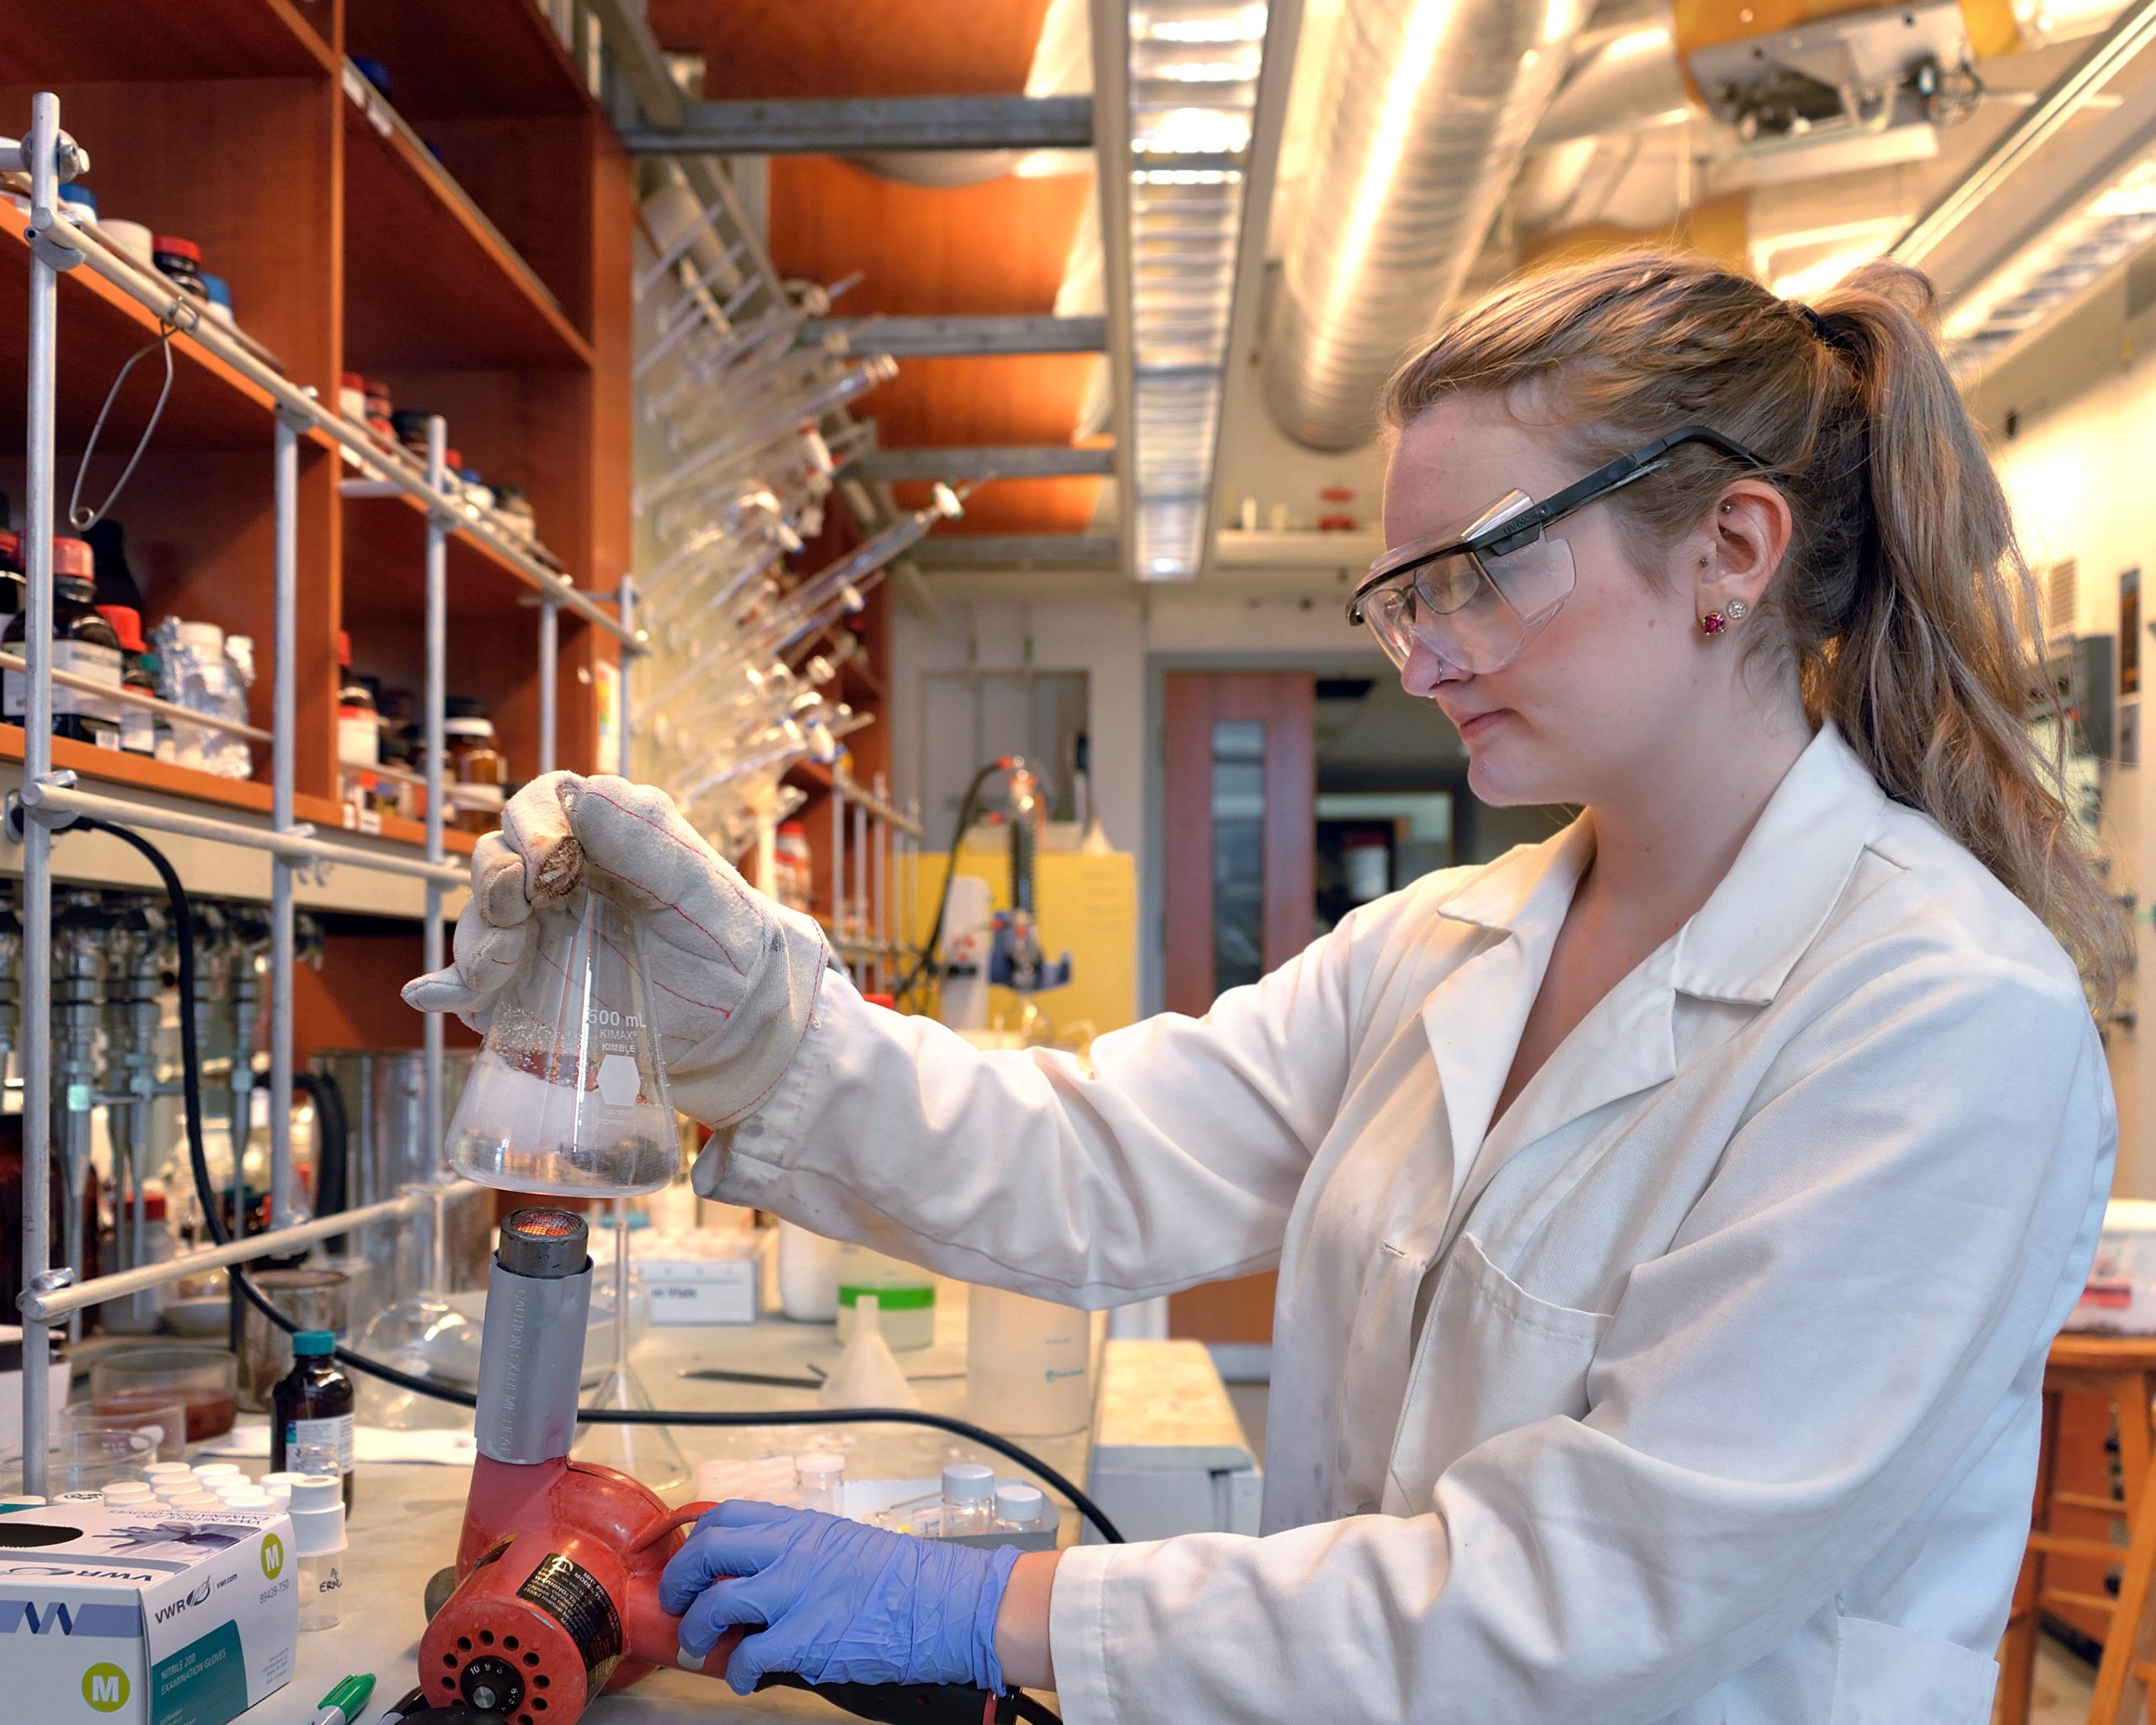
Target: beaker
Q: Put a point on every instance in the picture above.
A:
(568, 1095)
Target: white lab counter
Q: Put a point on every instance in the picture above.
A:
(404, 1525)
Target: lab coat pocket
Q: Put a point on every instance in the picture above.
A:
(1888, 1675)
(1491, 1357)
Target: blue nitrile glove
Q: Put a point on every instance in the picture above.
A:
(839, 1602)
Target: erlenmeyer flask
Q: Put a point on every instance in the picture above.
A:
(568, 1095)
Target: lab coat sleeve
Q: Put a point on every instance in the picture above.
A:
(1172, 1158)
(1835, 1334)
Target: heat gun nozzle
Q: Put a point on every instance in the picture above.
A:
(545, 1244)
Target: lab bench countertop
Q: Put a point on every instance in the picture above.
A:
(405, 1520)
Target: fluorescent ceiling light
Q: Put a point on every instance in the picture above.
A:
(2066, 258)
(1185, 232)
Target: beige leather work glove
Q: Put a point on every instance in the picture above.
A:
(732, 975)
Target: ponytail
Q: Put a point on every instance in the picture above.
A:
(1932, 675)
(1904, 600)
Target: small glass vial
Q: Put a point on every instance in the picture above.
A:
(821, 1477)
(475, 764)
(1021, 1507)
(968, 1500)
(138, 725)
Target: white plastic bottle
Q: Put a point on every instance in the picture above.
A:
(968, 1500)
(820, 1476)
(1028, 1364)
(1021, 1507)
(317, 1513)
(905, 1296)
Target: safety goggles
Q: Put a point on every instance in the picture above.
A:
(1475, 595)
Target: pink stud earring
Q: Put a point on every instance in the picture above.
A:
(1713, 623)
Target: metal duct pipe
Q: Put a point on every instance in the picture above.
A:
(1432, 102)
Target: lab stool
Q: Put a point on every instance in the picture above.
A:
(2122, 1369)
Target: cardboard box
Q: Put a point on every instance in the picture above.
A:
(158, 1616)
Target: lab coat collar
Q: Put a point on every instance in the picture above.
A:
(1741, 943)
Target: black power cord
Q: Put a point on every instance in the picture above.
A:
(926, 959)
(183, 921)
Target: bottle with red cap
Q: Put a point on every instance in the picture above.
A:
(83, 644)
(180, 262)
(138, 725)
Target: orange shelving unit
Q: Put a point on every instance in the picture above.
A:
(466, 240)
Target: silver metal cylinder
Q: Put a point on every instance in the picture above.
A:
(531, 1349)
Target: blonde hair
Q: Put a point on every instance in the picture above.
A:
(1903, 600)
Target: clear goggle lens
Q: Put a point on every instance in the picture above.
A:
(1474, 611)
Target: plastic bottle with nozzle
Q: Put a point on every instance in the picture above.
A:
(317, 1513)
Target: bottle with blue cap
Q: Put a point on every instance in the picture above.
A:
(310, 1409)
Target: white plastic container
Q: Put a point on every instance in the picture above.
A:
(1021, 1506)
(2121, 1294)
(1028, 1364)
(808, 1274)
(969, 1505)
(821, 1478)
(905, 1297)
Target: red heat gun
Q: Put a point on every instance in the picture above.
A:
(554, 1598)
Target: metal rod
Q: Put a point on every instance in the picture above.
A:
(284, 717)
(160, 297)
(60, 1301)
(37, 838)
(880, 919)
(435, 700)
(860, 927)
(837, 860)
(135, 698)
(550, 651)
(628, 620)
(60, 799)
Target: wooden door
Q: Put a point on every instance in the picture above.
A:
(1241, 837)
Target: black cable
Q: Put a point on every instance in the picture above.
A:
(190, 1078)
(926, 956)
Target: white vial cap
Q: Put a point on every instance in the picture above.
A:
(21, 1503)
(170, 1489)
(249, 1500)
(129, 1492)
(234, 1488)
(317, 1513)
(167, 1470)
(207, 1471)
(1021, 1505)
(969, 1482)
(819, 1469)
(194, 1500)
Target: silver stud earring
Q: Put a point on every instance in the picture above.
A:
(1736, 610)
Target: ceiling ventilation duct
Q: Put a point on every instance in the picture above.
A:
(1433, 104)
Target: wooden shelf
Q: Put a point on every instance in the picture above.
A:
(430, 283)
(111, 42)
(473, 60)
(211, 405)
(385, 568)
(189, 784)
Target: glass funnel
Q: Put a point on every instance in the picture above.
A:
(568, 1095)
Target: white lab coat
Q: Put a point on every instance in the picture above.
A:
(1704, 1388)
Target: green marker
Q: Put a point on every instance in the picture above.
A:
(345, 1702)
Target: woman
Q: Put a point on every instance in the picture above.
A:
(1671, 1218)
